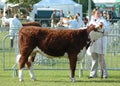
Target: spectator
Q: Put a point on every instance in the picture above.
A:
(68, 14)
(85, 20)
(14, 26)
(61, 14)
(53, 19)
(73, 23)
(105, 14)
(98, 48)
(80, 21)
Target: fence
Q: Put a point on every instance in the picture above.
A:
(8, 54)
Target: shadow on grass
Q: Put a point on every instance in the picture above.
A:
(111, 79)
(108, 80)
(78, 81)
(99, 81)
(85, 80)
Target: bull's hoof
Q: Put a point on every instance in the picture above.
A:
(73, 79)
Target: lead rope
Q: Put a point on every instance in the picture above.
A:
(102, 62)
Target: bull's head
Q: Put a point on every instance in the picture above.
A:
(98, 28)
(93, 27)
(96, 33)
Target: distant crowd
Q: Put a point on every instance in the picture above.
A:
(68, 21)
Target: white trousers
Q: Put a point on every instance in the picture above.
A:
(98, 58)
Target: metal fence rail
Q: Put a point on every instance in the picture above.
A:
(8, 54)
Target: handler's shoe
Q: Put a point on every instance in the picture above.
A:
(90, 77)
(33, 79)
(21, 80)
(105, 77)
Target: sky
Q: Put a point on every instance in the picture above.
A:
(104, 1)
(101, 1)
(2, 0)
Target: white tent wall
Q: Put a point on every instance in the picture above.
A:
(2, 4)
(64, 5)
(78, 9)
(70, 7)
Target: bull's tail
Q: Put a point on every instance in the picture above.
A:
(22, 37)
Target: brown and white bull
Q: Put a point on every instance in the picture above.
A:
(53, 43)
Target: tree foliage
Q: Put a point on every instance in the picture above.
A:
(25, 5)
(28, 3)
(85, 5)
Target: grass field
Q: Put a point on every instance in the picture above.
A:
(55, 77)
(58, 78)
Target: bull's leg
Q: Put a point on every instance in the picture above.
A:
(32, 75)
(72, 60)
(21, 66)
(20, 75)
(24, 54)
(30, 64)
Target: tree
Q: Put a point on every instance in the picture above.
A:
(85, 5)
(28, 3)
(25, 5)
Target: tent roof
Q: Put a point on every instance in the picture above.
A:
(54, 2)
(2, 4)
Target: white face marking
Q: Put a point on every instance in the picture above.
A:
(95, 35)
(81, 55)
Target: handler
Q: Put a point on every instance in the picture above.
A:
(98, 47)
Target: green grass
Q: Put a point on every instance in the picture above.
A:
(58, 78)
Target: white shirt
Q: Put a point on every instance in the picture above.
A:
(73, 24)
(99, 46)
(14, 24)
(80, 21)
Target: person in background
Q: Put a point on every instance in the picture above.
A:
(85, 21)
(73, 23)
(104, 14)
(61, 14)
(53, 19)
(68, 14)
(98, 47)
(80, 21)
(14, 26)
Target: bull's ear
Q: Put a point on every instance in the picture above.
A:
(90, 28)
(91, 24)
